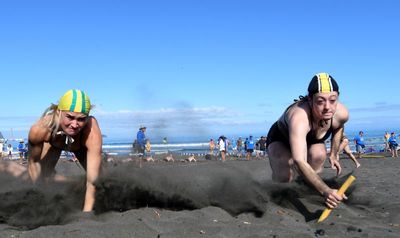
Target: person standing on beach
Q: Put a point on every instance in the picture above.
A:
(21, 151)
(141, 139)
(10, 150)
(359, 143)
(69, 127)
(249, 147)
(296, 142)
(148, 151)
(211, 145)
(344, 146)
(262, 146)
(386, 140)
(239, 147)
(393, 144)
(223, 147)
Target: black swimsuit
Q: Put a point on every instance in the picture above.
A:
(279, 132)
(66, 147)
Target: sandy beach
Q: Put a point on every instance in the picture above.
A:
(235, 198)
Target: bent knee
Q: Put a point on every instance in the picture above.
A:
(318, 160)
(317, 156)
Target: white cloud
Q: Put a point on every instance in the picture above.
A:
(378, 116)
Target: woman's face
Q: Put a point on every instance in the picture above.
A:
(72, 122)
(324, 105)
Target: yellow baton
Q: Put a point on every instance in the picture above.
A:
(340, 192)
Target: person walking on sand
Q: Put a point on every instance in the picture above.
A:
(296, 142)
(393, 144)
(222, 144)
(344, 146)
(359, 143)
(141, 140)
(69, 127)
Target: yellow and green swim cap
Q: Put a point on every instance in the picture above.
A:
(74, 100)
(322, 83)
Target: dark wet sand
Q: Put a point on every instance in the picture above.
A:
(202, 199)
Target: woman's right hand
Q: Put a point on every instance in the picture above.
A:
(332, 199)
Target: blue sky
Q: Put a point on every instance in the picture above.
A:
(197, 68)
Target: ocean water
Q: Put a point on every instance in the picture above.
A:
(373, 139)
(125, 148)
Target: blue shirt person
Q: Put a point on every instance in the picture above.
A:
(393, 144)
(359, 142)
(249, 147)
(21, 149)
(141, 139)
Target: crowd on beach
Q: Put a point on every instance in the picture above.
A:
(250, 148)
(238, 148)
(218, 149)
(389, 144)
(7, 151)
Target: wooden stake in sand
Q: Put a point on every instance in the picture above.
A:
(340, 192)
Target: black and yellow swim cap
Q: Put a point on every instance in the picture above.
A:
(322, 83)
(74, 100)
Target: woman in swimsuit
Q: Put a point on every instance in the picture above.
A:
(296, 140)
(66, 126)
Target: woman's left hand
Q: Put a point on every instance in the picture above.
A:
(335, 165)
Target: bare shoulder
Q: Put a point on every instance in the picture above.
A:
(298, 118)
(38, 133)
(92, 132)
(93, 125)
(299, 113)
(342, 114)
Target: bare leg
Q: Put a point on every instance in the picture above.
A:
(351, 156)
(281, 162)
(223, 156)
(317, 155)
(394, 152)
(344, 146)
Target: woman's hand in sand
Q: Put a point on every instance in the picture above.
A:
(335, 164)
(332, 199)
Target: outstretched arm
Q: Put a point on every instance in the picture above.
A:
(341, 117)
(35, 140)
(298, 144)
(333, 155)
(93, 164)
